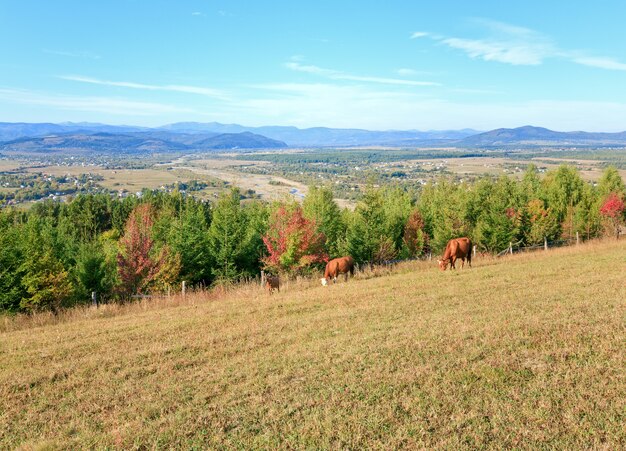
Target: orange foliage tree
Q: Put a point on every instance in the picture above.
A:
(292, 241)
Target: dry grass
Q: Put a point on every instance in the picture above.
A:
(525, 352)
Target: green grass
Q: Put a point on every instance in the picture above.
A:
(522, 352)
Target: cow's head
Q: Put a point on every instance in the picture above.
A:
(443, 264)
(324, 281)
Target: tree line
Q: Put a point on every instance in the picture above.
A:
(56, 254)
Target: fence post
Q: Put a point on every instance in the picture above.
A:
(169, 291)
(184, 290)
(510, 248)
(474, 251)
(262, 278)
(545, 243)
(94, 298)
(577, 238)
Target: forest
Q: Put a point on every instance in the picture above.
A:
(55, 254)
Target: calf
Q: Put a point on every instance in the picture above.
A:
(272, 283)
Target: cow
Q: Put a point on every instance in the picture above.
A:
(272, 283)
(456, 248)
(336, 266)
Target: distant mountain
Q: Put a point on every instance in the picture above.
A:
(14, 130)
(323, 136)
(97, 142)
(142, 142)
(538, 136)
(243, 140)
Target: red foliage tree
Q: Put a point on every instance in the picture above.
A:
(612, 210)
(137, 267)
(415, 239)
(292, 241)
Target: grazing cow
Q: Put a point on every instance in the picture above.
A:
(272, 283)
(456, 248)
(336, 266)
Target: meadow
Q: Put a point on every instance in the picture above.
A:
(525, 352)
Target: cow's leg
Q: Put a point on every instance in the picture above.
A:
(452, 262)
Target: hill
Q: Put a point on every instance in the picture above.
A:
(538, 136)
(140, 142)
(324, 136)
(498, 356)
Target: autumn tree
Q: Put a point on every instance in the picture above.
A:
(293, 242)
(414, 238)
(612, 210)
(139, 264)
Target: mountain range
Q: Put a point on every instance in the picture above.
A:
(195, 136)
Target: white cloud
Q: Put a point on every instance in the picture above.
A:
(209, 92)
(419, 34)
(516, 53)
(515, 45)
(108, 105)
(602, 63)
(88, 55)
(337, 75)
(197, 13)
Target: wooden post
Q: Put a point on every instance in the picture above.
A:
(577, 238)
(169, 291)
(263, 278)
(94, 298)
(510, 248)
(474, 251)
(184, 290)
(545, 243)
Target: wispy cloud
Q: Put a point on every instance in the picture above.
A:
(338, 75)
(209, 92)
(197, 13)
(108, 105)
(419, 34)
(519, 46)
(87, 55)
(602, 63)
(516, 53)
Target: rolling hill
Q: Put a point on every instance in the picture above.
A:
(140, 142)
(494, 357)
(538, 136)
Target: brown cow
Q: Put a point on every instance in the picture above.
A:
(456, 248)
(272, 283)
(341, 265)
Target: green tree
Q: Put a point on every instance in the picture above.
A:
(231, 237)
(319, 206)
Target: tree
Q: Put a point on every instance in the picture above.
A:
(293, 242)
(611, 182)
(415, 240)
(93, 271)
(563, 191)
(320, 207)
(233, 237)
(187, 237)
(612, 210)
(543, 223)
(45, 279)
(138, 263)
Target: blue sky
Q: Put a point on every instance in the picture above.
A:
(367, 64)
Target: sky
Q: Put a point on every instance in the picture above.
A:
(347, 64)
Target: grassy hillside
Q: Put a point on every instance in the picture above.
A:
(525, 352)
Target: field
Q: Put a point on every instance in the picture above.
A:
(521, 352)
(274, 175)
